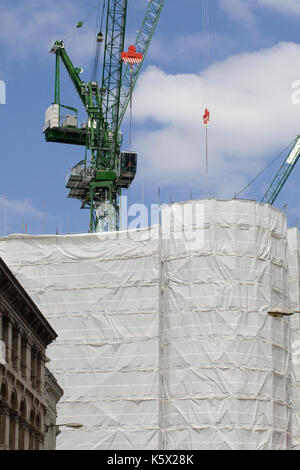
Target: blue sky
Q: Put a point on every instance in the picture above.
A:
(245, 78)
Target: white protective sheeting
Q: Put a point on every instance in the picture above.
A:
(100, 294)
(164, 337)
(294, 291)
(226, 361)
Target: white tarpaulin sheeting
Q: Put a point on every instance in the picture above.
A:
(100, 294)
(226, 362)
(294, 292)
(164, 340)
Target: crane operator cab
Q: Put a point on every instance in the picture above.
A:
(127, 168)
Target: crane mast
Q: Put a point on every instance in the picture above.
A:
(98, 179)
(104, 191)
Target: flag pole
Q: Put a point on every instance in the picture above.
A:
(130, 125)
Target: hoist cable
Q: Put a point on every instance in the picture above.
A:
(264, 169)
(130, 124)
(206, 42)
(206, 31)
(72, 30)
(97, 49)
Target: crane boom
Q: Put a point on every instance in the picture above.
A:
(283, 174)
(142, 44)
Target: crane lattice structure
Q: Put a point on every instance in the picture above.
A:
(282, 175)
(98, 179)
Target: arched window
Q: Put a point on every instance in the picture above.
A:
(3, 393)
(23, 356)
(33, 367)
(38, 422)
(14, 401)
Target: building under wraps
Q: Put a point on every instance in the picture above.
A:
(164, 338)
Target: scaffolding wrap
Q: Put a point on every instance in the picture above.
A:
(164, 338)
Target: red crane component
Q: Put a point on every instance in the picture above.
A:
(206, 116)
(132, 57)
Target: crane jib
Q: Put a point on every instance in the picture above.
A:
(283, 174)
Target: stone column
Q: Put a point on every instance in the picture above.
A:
(31, 439)
(14, 431)
(21, 435)
(26, 359)
(40, 373)
(24, 436)
(39, 441)
(4, 427)
(33, 367)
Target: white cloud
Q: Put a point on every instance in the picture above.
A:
(30, 26)
(240, 11)
(19, 207)
(252, 117)
(191, 49)
(284, 6)
(243, 11)
(16, 214)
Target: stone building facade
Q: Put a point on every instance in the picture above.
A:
(24, 336)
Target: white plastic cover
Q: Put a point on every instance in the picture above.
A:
(100, 294)
(164, 337)
(294, 291)
(226, 362)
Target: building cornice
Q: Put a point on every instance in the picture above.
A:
(24, 306)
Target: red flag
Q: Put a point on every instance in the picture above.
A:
(206, 116)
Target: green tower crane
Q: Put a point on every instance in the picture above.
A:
(98, 179)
